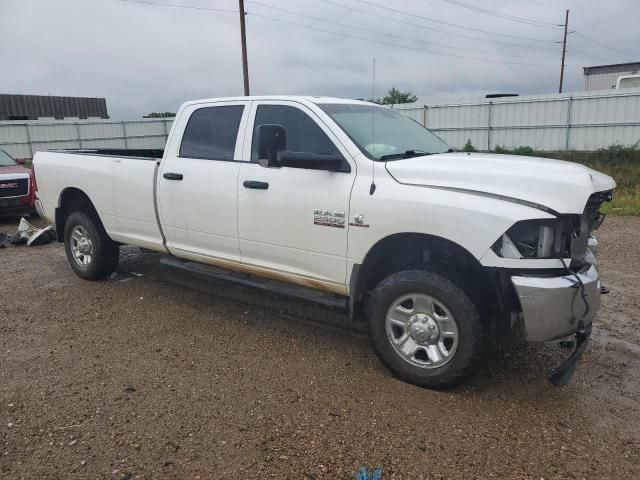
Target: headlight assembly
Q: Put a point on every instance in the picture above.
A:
(536, 239)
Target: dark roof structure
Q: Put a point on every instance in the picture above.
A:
(33, 107)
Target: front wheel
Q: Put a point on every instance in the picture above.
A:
(90, 251)
(425, 328)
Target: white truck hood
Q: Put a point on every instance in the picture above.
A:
(551, 184)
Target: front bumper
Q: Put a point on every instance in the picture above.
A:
(553, 307)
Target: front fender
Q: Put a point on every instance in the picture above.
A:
(473, 222)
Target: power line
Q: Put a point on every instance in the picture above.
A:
(406, 47)
(191, 7)
(416, 25)
(390, 35)
(585, 54)
(505, 16)
(428, 19)
(603, 45)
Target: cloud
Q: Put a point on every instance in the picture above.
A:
(146, 58)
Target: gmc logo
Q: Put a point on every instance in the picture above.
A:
(9, 185)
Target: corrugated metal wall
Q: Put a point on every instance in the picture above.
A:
(583, 121)
(601, 81)
(23, 139)
(603, 77)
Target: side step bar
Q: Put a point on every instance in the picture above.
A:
(273, 286)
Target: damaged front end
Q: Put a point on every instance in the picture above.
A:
(555, 305)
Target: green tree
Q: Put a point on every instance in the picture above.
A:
(159, 115)
(395, 97)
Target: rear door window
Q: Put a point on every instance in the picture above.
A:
(211, 133)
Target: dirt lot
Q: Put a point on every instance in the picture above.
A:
(153, 374)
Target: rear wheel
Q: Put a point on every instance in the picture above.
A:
(425, 328)
(90, 251)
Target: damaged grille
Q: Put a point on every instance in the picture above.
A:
(14, 188)
(589, 221)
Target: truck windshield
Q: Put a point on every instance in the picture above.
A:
(6, 160)
(383, 133)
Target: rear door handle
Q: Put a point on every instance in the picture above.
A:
(172, 176)
(256, 185)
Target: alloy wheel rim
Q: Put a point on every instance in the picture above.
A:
(422, 331)
(81, 246)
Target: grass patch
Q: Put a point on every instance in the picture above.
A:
(626, 202)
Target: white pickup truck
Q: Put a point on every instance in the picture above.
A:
(439, 252)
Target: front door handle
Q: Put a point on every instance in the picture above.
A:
(172, 176)
(256, 185)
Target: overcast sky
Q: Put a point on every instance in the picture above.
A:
(145, 58)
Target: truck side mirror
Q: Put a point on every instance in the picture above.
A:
(271, 139)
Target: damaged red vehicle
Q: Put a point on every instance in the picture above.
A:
(17, 186)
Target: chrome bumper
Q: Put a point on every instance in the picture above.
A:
(552, 307)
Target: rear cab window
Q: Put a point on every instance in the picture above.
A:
(211, 133)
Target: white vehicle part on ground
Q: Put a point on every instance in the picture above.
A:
(32, 235)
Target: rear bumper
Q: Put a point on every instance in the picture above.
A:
(16, 206)
(552, 307)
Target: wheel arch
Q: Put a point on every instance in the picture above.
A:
(73, 199)
(403, 251)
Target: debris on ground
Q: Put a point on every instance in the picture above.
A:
(32, 235)
(5, 239)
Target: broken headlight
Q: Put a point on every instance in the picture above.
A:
(536, 239)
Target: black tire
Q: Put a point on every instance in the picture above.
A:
(104, 252)
(470, 346)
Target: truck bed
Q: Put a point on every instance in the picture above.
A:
(120, 184)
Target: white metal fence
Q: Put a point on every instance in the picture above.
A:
(23, 139)
(583, 121)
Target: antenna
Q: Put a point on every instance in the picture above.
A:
(373, 130)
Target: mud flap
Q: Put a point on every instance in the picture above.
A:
(562, 375)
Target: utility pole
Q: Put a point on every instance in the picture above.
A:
(564, 49)
(245, 63)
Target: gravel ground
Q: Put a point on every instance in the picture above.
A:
(154, 374)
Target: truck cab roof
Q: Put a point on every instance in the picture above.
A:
(283, 98)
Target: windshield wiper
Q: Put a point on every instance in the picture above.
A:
(406, 154)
